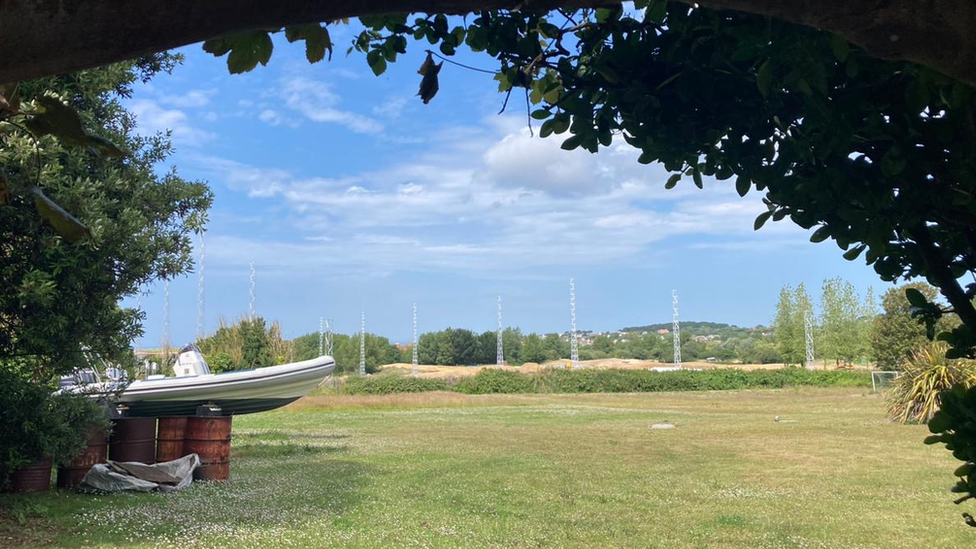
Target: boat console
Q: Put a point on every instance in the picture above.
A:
(191, 362)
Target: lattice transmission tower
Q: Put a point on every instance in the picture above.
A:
(321, 336)
(166, 339)
(415, 358)
(808, 334)
(500, 349)
(201, 303)
(362, 345)
(329, 325)
(254, 291)
(573, 342)
(675, 328)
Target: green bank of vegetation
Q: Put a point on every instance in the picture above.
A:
(63, 275)
(494, 381)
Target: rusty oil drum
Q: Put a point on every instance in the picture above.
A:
(209, 437)
(169, 438)
(33, 477)
(133, 439)
(97, 450)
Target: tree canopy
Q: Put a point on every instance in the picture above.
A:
(43, 38)
(60, 294)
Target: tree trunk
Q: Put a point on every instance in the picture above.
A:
(40, 38)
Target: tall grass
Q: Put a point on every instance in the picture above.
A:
(914, 395)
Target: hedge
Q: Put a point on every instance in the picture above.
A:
(385, 385)
(492, 381)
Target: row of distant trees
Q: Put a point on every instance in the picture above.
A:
(841, 326)
(252, 343)
(848, 328)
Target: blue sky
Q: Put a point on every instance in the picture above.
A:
(350, 195)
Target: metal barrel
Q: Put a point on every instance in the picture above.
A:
(33, 477)
(169, 438)
(133, 439)
(71, 475)
(209, 437)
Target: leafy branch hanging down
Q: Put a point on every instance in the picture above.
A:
(955, 426)
(47, 115)
(876, 155)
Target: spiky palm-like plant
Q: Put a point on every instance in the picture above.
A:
(914, 396)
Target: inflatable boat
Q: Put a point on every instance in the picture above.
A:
(236, 392)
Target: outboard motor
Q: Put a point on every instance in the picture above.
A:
(190, 362)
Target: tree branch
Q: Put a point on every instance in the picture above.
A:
(58, 36)
(938, 269)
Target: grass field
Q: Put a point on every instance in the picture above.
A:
(449, 470)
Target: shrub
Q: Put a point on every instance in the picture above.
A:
(914, 396)
(646, 381)
(36, 424)
(388, 384)
(494, 381)
(955, 426)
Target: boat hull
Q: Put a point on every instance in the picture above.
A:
(228, 407)
(238, 392)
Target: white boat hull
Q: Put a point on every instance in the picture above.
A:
(238, 392)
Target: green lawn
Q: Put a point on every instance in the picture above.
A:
(448, 470)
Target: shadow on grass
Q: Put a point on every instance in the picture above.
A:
(283, 444)
(276, 482)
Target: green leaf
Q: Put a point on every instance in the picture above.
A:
(762, 219)
(696, 176)
(854, 252)
(541, 114)
(63, 222)
(246, 49)
(546, 129)
(604, 14)
(840, 47)
(104, 146)
(893, 163)
(52, 117)
(55, 118)
(672, 181)
(656, 12)
(377, 62)
(742, 185)
(764, 78)
(572, 142)
(821, 234)
(940, 422)
(317, 40)
(916, 298)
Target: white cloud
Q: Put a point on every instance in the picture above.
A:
(269, 116)
(494, 198)
(152, 118)
(391, 108)
(315, 100)
(191, 99)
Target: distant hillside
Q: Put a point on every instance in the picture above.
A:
(694, 328)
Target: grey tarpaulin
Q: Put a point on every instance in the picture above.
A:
(118, 476)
